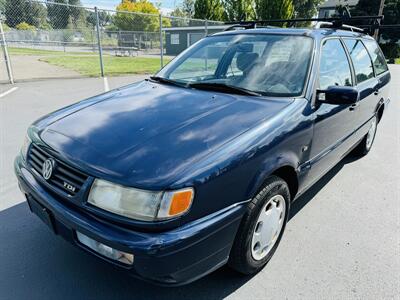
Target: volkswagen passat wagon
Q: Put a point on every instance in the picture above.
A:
(196, 167)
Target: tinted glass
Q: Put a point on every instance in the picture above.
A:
(334, 67)
(361, 60)
(377, 56)
(275, 65)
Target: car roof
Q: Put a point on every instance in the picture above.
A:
(317, 33)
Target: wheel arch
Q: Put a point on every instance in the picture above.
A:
(285, 170)
(288, 174)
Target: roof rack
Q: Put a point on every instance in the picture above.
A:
(343, 26)
(333, 22)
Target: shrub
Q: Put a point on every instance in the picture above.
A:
(25, 26)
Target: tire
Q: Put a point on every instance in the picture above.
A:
(245, 257)
(366, 143)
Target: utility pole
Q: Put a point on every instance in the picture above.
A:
(381, 6)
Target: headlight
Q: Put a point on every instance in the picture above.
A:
(25, 147)
(140, 204)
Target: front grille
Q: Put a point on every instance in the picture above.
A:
(64, 177)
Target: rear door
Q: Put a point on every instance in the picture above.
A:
(381, 69)
(367, 83)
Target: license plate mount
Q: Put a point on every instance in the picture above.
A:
(42, 212)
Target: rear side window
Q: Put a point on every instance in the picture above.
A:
(361, 60)
(377, 56)
(334, 68)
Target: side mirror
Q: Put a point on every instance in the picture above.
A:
(338, 95)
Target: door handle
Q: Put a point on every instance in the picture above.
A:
(353, 106)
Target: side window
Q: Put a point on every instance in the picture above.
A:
(377, 56)
(361, 60)
(334, 68)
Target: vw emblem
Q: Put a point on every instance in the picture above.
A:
(47, 169)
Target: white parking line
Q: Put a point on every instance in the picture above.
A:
(106, 86)
(8, 92)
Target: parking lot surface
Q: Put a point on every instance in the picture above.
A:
(342, 241)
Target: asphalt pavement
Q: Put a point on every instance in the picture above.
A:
(342, 241)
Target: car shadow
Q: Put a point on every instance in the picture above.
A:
(36, 264)
(310, 193)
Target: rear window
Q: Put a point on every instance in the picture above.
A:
(377, 56)
(361, 60)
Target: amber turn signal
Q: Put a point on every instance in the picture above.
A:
(180, 202)
(175, 203)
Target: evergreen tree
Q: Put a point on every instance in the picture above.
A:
(274, 9)
(188, 7)
(238, 10)
(63, 16)
(24, 11)
(209, 9)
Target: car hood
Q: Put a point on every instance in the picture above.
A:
(147, 134)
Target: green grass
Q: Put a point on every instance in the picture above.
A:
(397, 61)
(89, 65)
(39, 52)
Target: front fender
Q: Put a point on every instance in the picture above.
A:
(268, 167)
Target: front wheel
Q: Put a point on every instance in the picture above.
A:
(366, 143)
(261, 228)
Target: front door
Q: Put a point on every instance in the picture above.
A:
(333, 124)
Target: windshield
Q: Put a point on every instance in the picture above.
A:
(263, 64)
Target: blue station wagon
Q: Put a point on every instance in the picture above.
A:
(197, 167)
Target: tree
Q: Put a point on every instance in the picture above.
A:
(188, 8)
(209, 9)
(306, 8)
(273, 9)
(36, 14)
(2, 5)
(58, 14)
(391, 37)
(77, 14)
(391, 11)
(181, 18)
(365, 8)
(145, 19)
(14, 12)
(24, 11)
(105, 18)
(238, 10)
(63, 16)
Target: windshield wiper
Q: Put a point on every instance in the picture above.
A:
(222, 87)
(166, 80)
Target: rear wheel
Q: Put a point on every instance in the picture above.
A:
(366, 144)
(261, 228)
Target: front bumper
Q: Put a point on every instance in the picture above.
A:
(175, 257)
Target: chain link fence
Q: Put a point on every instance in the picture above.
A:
(50, 40)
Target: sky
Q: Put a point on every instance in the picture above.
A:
(166, 5)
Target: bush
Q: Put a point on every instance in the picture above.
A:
(25, 26)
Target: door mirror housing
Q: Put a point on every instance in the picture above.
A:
(338, 95)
